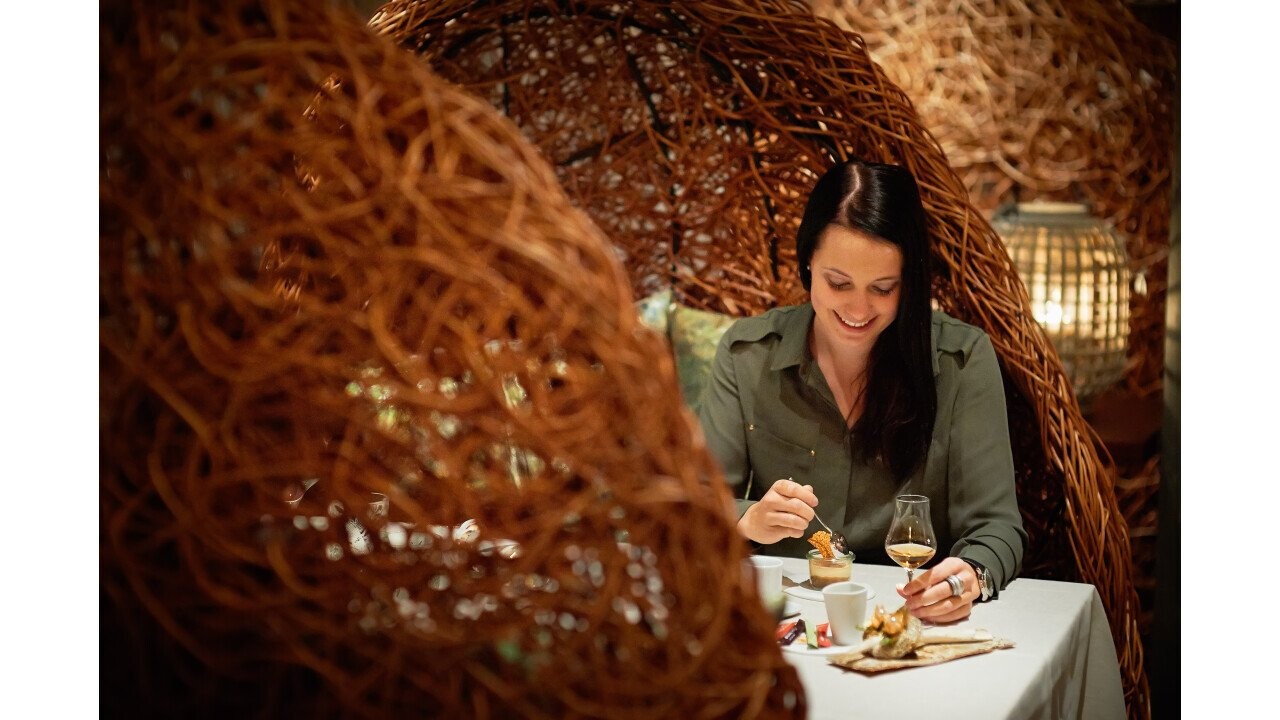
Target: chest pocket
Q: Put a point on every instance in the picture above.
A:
(775, 455)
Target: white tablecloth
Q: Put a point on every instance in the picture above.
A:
(1064, 664)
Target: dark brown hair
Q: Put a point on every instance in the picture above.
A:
(901, 401)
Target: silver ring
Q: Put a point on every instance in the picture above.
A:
(957, 585)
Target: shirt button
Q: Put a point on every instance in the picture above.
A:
(751, 427)
(812, 453)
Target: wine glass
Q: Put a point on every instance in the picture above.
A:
(911, 541)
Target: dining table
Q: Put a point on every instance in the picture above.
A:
(1062, 664)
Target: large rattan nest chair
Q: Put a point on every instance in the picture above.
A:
(691, 132)
(381, 433)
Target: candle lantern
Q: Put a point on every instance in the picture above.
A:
(1076, 271)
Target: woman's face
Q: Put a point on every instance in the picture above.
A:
(856, 284)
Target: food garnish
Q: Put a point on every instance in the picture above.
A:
(822, 540)
(899, 632)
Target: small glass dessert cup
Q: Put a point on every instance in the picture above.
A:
(824, 571)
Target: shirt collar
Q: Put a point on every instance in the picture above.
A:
(794, 345)
(933, 346)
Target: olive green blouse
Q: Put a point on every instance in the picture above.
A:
(768, 413)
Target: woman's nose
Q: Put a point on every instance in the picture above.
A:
(859, 304)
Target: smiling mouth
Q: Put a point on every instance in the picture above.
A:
(854, 325)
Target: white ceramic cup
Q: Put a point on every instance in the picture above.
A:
(378, 506)
(846, 610)
(768, 572)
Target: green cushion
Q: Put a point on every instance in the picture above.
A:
(694, 337)
(653, 310)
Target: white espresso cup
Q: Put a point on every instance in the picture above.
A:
(768, 572)
(846, 610)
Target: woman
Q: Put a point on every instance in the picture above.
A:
(836, 406)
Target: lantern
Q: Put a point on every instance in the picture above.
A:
(1077, 274)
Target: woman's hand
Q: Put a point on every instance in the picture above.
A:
(784, 511)
(928, 595)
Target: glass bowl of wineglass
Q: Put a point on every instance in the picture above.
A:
(910, 541)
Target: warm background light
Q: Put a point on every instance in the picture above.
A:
(1077, 275)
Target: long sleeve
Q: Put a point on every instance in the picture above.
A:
(721, 416)
(983, 504)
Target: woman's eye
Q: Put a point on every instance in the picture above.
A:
(883, 290)
(837, 285)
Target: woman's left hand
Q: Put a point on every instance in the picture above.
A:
(929, 597)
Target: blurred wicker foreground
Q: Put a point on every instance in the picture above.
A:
(690, 132)
(327, 274)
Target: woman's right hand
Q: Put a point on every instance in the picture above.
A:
(785, 511)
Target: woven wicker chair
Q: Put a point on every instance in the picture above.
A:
(345, 308)
(691, 132)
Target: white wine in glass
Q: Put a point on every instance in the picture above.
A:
(911, 542)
